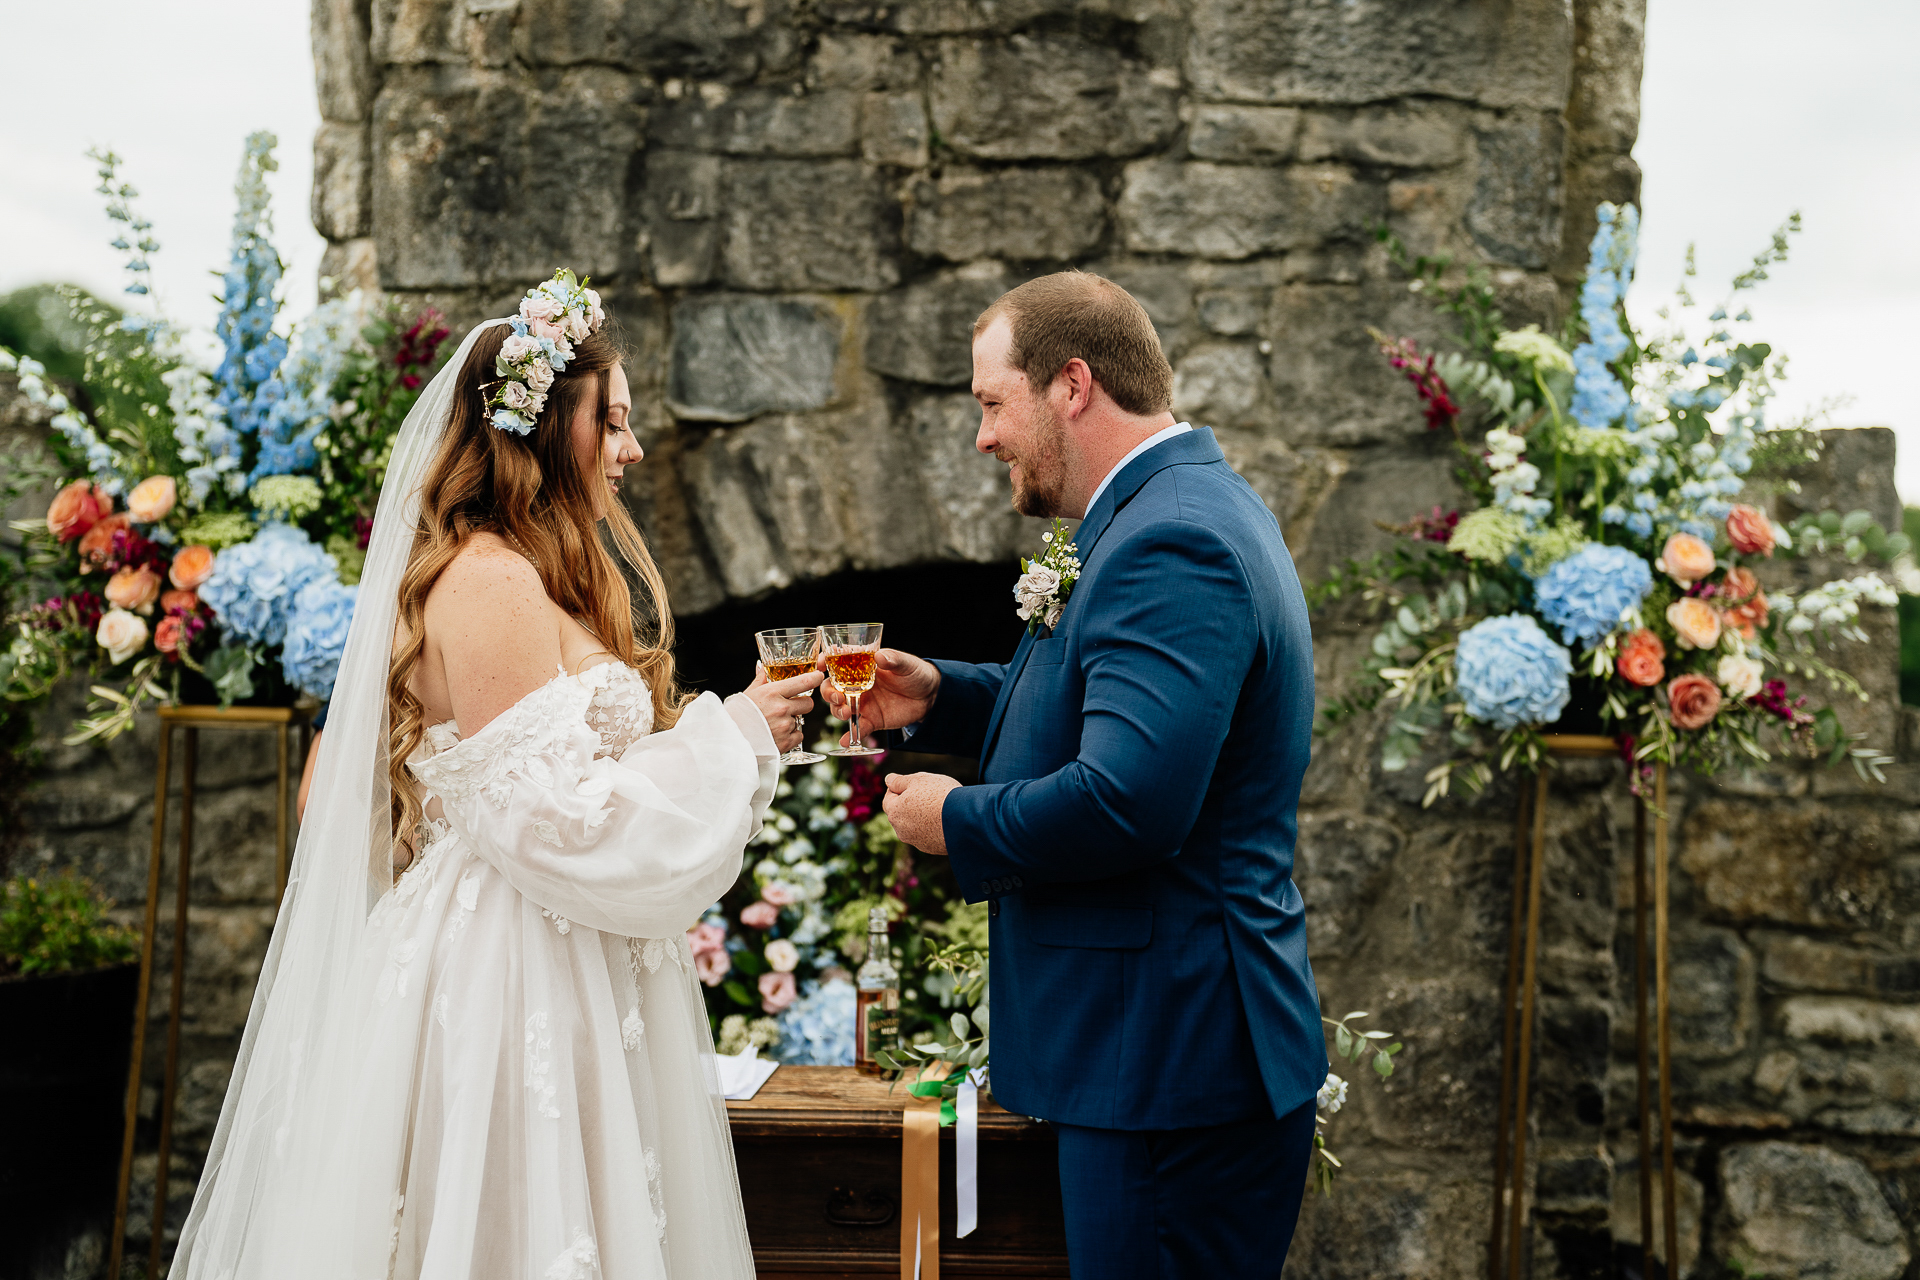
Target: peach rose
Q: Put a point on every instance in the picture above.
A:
(712, 966)
(191, 567)
(166, 636)
(760, 915)
(1694, 700)
(777, 991)
(134, 589)
(121, 634)
(1695, 622)
(1640, 659)
(179, 602)
(1686, 559)
(97, 545)
(76, 509)
(152, 498)
(1748, 618)
(1750, 532)
(1739, 583)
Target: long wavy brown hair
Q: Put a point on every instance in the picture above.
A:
(534, 491)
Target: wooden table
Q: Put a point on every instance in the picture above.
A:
(819, 1156)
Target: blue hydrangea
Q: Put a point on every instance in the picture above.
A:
(317, 635)
(253, 585)
(1584, 594)
(817, 1029)
(1510, 672)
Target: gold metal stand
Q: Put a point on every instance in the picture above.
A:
(282, 721)
(1504, 1258)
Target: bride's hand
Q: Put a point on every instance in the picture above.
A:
(783, 702)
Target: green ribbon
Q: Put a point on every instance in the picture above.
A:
(935, 1088)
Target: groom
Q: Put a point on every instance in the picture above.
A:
(1133, 831)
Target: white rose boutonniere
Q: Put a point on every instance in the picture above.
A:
(1045, 583)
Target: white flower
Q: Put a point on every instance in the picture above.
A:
(121, 634)
(782, 955)
(540, 307)
(1332, 1095)
(540, 374)
(1739, 675)
(515, 395)
(575, 326)
(1035, 588)
(516, 346)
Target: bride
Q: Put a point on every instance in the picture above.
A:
(477, 1048)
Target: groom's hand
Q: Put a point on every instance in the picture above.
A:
(914, 802)
(903, 691)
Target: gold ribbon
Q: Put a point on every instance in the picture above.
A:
(920, 1183)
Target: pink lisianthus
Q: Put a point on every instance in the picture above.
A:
(780, 894)
(712, 966)
(705, 938)
(777, 991)
(760, 915)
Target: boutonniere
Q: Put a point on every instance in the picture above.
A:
(1046, 582)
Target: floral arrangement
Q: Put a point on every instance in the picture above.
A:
(1610, 564)
(552, 317)
(212, 528)
(778, 954)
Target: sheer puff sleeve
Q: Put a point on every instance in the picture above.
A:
(636, 846)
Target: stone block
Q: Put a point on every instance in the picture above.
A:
(1796, 963)
(1311, 51)
(952, 17)
(1046, 214)
(411, 32)
(924, 332)
(1222, 211)
(1223, 384)
(1855, 472)
(342, 61)
(1046, 98)
(1243, 135)
(1847, 1021)
(862, 60)
(1817, 866)
(349, 265)
(1806, 1211)
(1292, 482)
(1515, 211)
(1377, 485)
(682, 202)
(342, 186)
(1403, 136)
(734, 357)
(1341, 864)
(1624, 1214)
(893, 130)
(794, 225)
(1712, 985)
(481, 178)
(727, 507)
(1231, 313)
(1331, 385)
(967, 491)
(764, 121)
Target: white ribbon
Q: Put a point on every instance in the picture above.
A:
(966, 1155)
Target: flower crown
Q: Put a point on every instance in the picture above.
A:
(553, 316)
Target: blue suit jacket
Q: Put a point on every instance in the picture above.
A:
(1136, 821)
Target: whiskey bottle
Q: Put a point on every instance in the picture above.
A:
(877, 1005)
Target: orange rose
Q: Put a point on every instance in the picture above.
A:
(166, 636)
(191, 566)
(152, 498)
(1686, 559)
(1748, 618)
(179, 602)
(1694, 700)
(76, 509)
(134, 589)
(1750, 532)
(1739, 584)
(1695, 622)
(1640, 659)
(97, 545)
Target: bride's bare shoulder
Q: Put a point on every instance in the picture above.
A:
(495, 628)
(487, 572)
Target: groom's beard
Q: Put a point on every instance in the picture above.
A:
(1040, 488)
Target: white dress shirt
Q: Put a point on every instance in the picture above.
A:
(1178, 428)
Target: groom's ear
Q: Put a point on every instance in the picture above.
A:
(1080, 386)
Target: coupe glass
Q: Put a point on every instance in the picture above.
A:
(787, 652)
(853, 656)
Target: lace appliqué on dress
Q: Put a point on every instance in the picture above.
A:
(656, 1192)
(621, 708)
(649, 952)
(539, 1065)
(579, 1261)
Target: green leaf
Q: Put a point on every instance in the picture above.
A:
(1382, 1065)
(962, 1030)
(1856, 522)
(231, 670)
(1342, 1040)
(737, 992)
(750, 962)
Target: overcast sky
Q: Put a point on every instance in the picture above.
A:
(1749, 110)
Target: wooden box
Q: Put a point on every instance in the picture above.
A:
(819, 1156)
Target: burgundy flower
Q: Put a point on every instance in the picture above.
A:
(1436, 397)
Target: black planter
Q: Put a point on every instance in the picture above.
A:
(63, 1095)
(1582, 713)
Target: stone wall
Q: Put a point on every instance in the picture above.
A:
(796, 207)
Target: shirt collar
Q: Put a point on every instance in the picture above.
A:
(1158, 437)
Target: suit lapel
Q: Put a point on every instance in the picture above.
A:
(1197, 446)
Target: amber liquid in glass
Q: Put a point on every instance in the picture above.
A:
(788, 670)
(853, 672)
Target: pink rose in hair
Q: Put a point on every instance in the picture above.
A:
(595, 314)
(515, 395)
(777, 991)
(540, 375)
(547, 329)
(539, 306)
(576, 326)
(712, 966)
(517, 346)
(760, 915)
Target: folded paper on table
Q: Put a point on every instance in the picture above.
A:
(742, 1074)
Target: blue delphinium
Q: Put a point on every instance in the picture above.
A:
(1510, 672)
(313, 364)
(817, 1029)
(252, 586)
(249, 384)
(1598, 398)
(1584, 594)
(317, 635)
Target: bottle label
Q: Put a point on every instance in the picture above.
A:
(879, 1025)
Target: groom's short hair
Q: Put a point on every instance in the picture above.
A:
(1075, 313)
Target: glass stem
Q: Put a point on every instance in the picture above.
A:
(853, 730)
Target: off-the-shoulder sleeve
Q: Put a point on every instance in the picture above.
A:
(636, 846)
